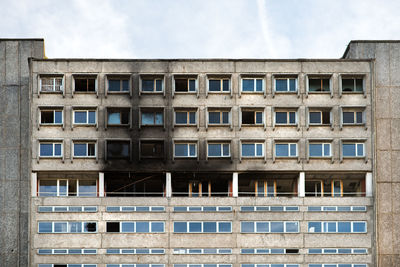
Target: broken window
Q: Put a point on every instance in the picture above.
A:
(53, 116)
(67, 187)
(352, 85)
(335, 187)
(118, 149)
(252, 117)
(201, 184)
(118, 184)
(321, 117)
(85, 84)
(51, 84)
(319, 84)
(118, 116)
(152, 149)
(185, 84)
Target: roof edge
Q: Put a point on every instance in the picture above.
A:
(22, 39)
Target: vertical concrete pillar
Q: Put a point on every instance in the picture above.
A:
(368, 184)
(235, 184)
(33, 184)
(168, 185)
(101, 184)
(301, 186)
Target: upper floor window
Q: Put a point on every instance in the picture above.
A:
(118, 116)
(351, 117)
(185, 117)
(337, 227)
(67, 227)
(84, 149)
(319, 117)
(135, 227)
(285, 84)
(151, 149)
(252, 117)
(319, 150)
(118, 84)
(50, 150)
(286, 150)
(353, 150)
(283, 117)
(118, 149)
(67, 187)
(352, 85)
(152, 117)
(252, 85)
(84, 116)
(85, 83)
(51, 84)
(203, 227)
(269, 227)
(219, 85)
(51, 116)
(152, 84)
(185, 150)
(184, 83)
(218, 117)
(319, 84)
(218, 150)
(252, 150)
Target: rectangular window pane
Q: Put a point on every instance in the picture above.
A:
(262, 227)
(209, 227)
(293, 150)
(225, 86)
(281, 85)
(48, 188)
(225, 227)
(292, 85)
(194, 227)
(259, 117)
(114, 118)
(214, 117)
(349, 150)
(259, 85)
(192, 150)
(327, 150)
(360, 150)
(214, 85)
(80, 150)
(315, 150)
(125, 85)
(157, 227)
(142, 227)
(127, 227)
(292, 117)
(260, 151)
(181, 117)
(281, 150)
(92, 117)
(225, 117)
(315, 117)
(46, 150)
(113, 85)
(57, 116)
(192, 117)
(292, 227)
(214, 150)
(248, 150)
(348, 117)
(359, 117)
(45, 227)
(57, 149)
(359, 227)
(225, 150)
(148, 85)
(247, 227)
(314, 227)
(87, 188)
(344, 227)
(80, 117)
(276, 227)
(192, 85)
(181, 150)
(147, 118)
(180, 227)
(248, 85)
(159, 85)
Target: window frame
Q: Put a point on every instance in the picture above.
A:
(222, 144)
(255, 111)
(86, 77)
(54, 77)
(87, 111)
(188, 144)
(221, 116)
(320, 77)
(120, 110)
(152, 111)
(154, 78)
(287, 78)
(324, 225)
(217, 229)
(354, 77)
(353, 110)
(269, 227)
(255, 79)
(356, 144)
(289, 144)
(54, 110)
(321, 117)
(221, 81)
(188, 78)
(149, 222)
(188, 111)
(287, 111)
(54, 143)
(127, 141)
(67, 185)
(68, 227)
(120, 78)
(87, 143)
(255, 143)
(322, 149)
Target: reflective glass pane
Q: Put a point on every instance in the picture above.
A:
(277, 227)
(80, 117)
(360, 150)
(344, 227)
(157, 227)
(214, 85)
(194, 227)
(214, 117)
(248, 85)
(45, 227)
(247, 227)
(315, 251)
(315, 117)
(359, 227)
(259, 85)
(260, 151)
(192, 85)
(192, 117)
(262, 227)
(57, 149)
(127, 227)
(60, 227)
(48, 188)
(46, 150)
(113, 85)
(248, 150)
(75, 227)
(87, 188)
(293, 150)
(315, 150)
(80, 150)
(142, 227)
(327, 150)
(281, 150)
(114, 118)
(57, 116)
(281, 85)
(259, 117)
(314, 227)
(214, 150)
(292, 117)
(148, 85)
(225, 150)
(159, 85)
(292, 85)
(225, 86)
(125, 85)
(359, 117)
(147, 118)
(349, 150)
(181, 150)
(159, 118)
(180, 227)
(348, 117)
(224, 227)
(192, 150)
(181, 117)
(225, 117)
(92, 117)
(292, 227)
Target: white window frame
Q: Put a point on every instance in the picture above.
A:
(135, 226)
(288, 146)
(111, 110)
(154, 79)
(53, 78)
(325, 223)
(202, 227)
(188, 144)
(120, 79)
(269, 227)
(67, 185)
(354, 117)
(255, 149)
(87, 143)
(356, 144)
(188, 78)
(255, 111)
(87, 116)
(49, 109)
(324, 155)
(68, 228)
(222, 144)
(287, 84)
(255, 85)
(53, 149)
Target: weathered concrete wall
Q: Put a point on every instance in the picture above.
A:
(15, 148)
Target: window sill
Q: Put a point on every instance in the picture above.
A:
(152, 125)
(218, 125)
(186, 125)
(50, 157)
(50, 125)
(285, 125)
(352, 93)
(252, 125)
(252, 92)
(218, 157)
(180, 92)
(118, 125)
(84, 124)
(319, 92)
(183, 157)
(151, 92)
(51, 92)
(286, 92)
(84, 92)
(320, 157)
(118, 92)
(84, 157)
(252, 157)
(286, 157)
(218, 92)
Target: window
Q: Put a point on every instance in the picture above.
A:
(319, 117)
(67, 209)
(270, 265)
(268, 208)
(51, 84)
(85, 84)
(116, 117)
(318, 84)
(202, 251)
(116, 84)
(152, 118)
(285, 117)
(252, 149)
(337, 251)
(252, 85)
(285, 85)
(50, 150)
(269, 251)
(84, 116)
(265, 188)
(135, 265)
(319, 150)
(135, 251)
(216, 117)
(218, 150)
(67, 265)
(152, 84)
(135, 227)
(354, 85)
(202, 209)
(269, 227)
(67, 251)
(51, 117)
(183, 117)
(84, 149)
(203, 265)
(352, 117)
(353, 150)
(337, 265)
(337, 227)
(286, 150)
(67, 187)
(219, 85)
(135, 209)
(252, 117)
(152, 149)
(185, 150)
(185, 84)
(338, 208)
(67, 227)
(118, 149)
(203, 227)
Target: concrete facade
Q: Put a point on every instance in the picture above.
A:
(15, 147)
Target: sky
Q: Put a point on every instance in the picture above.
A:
(199, 28)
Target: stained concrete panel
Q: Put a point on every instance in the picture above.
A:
(383, 166)
(395, 134)
(382, 66)
(383, 128)
(12, 63)
(395, 64)
(396, 166)
(384, 197)
(396, 198)
(385, 237)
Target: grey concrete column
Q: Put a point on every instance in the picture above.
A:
(33, 184)
(301, 188)
(168, 185)
(101, 184)
(235, 184)
(368, 184)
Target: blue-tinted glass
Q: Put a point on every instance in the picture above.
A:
(290, 208)
(75, 251)
(57, 149)
(142, 227)
(248, 85)
(359, 208)
(209, 227)
(192, 150)
(247, 251)
(281, 150)
(327, 150)
(142, 251)
(224, 251)
(75, 209)
(57, 116)
(292, 117)
(138, 265)
(80, 150)
(45, 209)
(113, 85)
(348, 117)
(194, 227)
(247, 227)
(45, 265)
(89, 251)
(142, 208)
(48, 188)
(80, 117)
(147, 118)
(210, 265)
(60, 209)
(87, 188)
(127, 251)
(157, 251)
(315, 117)
(262, 227)
(225, 227)
(349, 265)
(194, 251)
(281, 117)
(214, 117)
(349, 150)
(247, 265)
(292, 227)
(127, 227)
(215, 85)
(293, 150)
(214, 150)
(329, 208)
(345, 208)
(157, 209)
(344, 227)
(276, 208)
(159, 118)
(277, 265)
(276, 227)
(125, 85)
(344, 251)
(60, 227)
(44, 251)
(314, 227)
(180, 227)
(359, 227)
(157, 227)
(330, 227)
(259, 117)
(262, 251)
(314, 208)
(225, 150)
(92, 117)
(159, 85)
(281, 85)
(315, 265)
(247, 208)
(360, 150)
(315, 251)
(192, 85)
(127, 209)
(292, 85)
(225, 86)
(259, 148)
(277, 251)
(45, 227)
(114, 118)
(192, 117)
(315, 150)
(148, 85)
(225, 117)
(181, 117)
(263, 208)
(180, 209)
(359, 117)
(248, 150)
(259, 85)
(113, 265)
(360, 251)
(112, 209)
(75, 227)
(112, 251)
(46, 150)
(211, 208)
(181, 150)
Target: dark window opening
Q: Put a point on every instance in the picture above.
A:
(91, 227)
(352, 85)
(112, 227)
(252, 117)
(292, 251)
(185, 85)
(201, 185)
(151, 149)
(267, 185)
(318, 85)
(339, 186)
(118, 149)
(85, 84)
(320, 117)
(134, 184)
